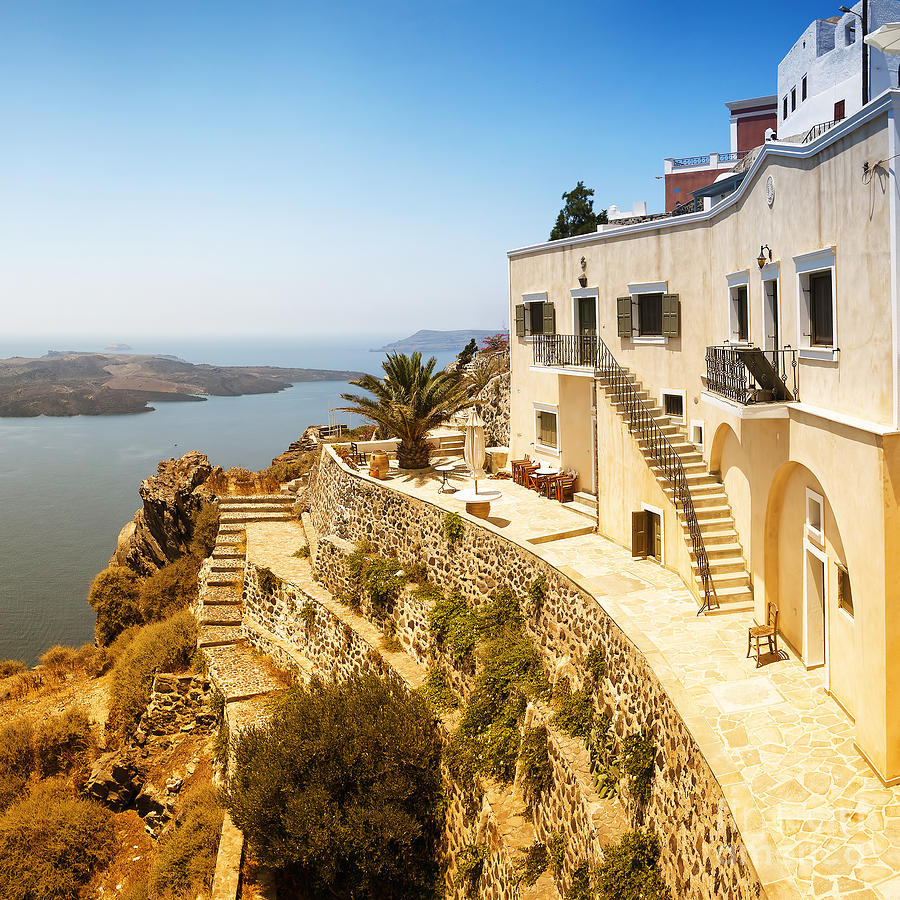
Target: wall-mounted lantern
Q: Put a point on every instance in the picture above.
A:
(582, 278)
(761, 259)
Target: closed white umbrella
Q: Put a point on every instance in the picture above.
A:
(886, 38)
(473, 446)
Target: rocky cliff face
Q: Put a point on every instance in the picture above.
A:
(162, 528)
(493, 401)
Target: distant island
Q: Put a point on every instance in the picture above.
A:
(435, 341)
(72, 383)
(119, 348)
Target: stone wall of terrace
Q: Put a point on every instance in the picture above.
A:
(703, 853)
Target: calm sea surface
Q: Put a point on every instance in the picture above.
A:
(67, 486)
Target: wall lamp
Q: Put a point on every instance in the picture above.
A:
(761, 259)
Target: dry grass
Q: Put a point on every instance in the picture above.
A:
(236, 482)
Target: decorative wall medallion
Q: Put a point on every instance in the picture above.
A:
(770, 190)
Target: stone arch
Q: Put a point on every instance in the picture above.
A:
(724, 433)
(729, 461)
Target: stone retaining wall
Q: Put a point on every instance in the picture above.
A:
(703, 854)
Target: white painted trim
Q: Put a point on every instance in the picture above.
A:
(675, 393)
(574, 371)
(824, 354)
(842, 419)
(816, 534)
(805, 265)
(768, 273)
(585, 294)
(545, 407)
(650, 339)
(649, 287)
(893, 124)
(815, 260)
(823, 558)
(771, 149)
(540, 297)
(736, 279)
(646, 507)
(753, 411)
(697, 423)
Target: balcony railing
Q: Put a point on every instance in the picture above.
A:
(565, 350)
(686, 161)
(751, 375)
(819, 130)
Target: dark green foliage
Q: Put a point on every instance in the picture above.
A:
(115, 597)
(574, 710)
(630, 869)
(220, 746)
(438, 691)
(500, 612)
(308, 614)
(287, 470)
(206, 528)
(601, 746)
(416, 572)
(267, 580)
(383, 580)
(454, 625)
(556, 851)
(165, 646)
(580, 884)
(11, 667)
(537, 592)
(302, 553)
(638, 762)
(577, 215)
(341, 792)
(532, 863)
(64, 744)
(186, 853)
(428, 592)
(469, 867)
(534, 761)
(16, 759)
(454, 528)
(171, 588)
(51, 844)
(409, 401)
(595, 663)
(467, 354)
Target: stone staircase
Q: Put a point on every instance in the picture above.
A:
(714, 516)
(448, 443)
(584, 504)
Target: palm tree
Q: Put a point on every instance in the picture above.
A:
(409, 401)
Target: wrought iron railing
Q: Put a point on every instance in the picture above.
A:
(727, 374)
(690, 161)
(656, 445)
(732, 157)
(819, 130)
(565, 350)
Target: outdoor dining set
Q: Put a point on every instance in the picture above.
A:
(550, 482)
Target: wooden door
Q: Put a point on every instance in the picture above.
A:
(639, 533)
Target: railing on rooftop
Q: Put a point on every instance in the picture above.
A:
(587, 350)
(728, 374)
(819, 130)
(732, 157)
(691, 206)
(706, 159)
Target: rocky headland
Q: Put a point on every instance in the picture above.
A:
(94, 384)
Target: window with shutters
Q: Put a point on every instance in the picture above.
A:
(535, 315)
(649, 314)
(647, 533)
(546, 435)
(739, 314)
(673, 404)
(535, 318)
(816, 313)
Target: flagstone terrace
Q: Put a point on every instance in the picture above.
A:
(814, 819)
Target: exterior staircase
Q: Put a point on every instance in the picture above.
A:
(584, 504)
(709, 510)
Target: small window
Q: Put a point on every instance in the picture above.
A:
(844, 591)
(740, 313)
(545, 429)
(535, 318)
(803, 89)
(821, 321)
(650, 319)
(814, 516)
(784, 108)
(816, 311)
(793, 98)
(850, 33)
(697, 433)
(673, 405)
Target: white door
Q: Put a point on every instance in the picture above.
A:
(815, 601)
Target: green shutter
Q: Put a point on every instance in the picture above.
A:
(623, 308)
(549, 319)
(520, 320)
(671, 315)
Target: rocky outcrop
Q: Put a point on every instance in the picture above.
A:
(162, 528)
(493, 401)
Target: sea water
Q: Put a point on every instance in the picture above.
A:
(68, 485)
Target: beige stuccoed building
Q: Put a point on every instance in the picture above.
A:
(725, 384)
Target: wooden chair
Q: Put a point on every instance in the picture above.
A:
(533, 480)
(564, 487)
(517, 466)
(767, 632)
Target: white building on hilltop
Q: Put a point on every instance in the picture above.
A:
(820, 79)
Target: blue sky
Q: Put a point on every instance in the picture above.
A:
(298, 168)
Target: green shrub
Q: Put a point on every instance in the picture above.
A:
(92, 660)
(287, 470)
(302, 553)
(454, 625)
(595, 663)
(534, 762)
(267, 580)
(454, 528)
(580, 884)
(115, 597)
(340, 792)
(630, 871)
(416, 571)
(638, 763)
(206, 529)
(59, 662)
(574, 712)
(382, 581)
(604, 762)
(469, 868)
(51, 844)
(537, 592)
(389, 640)
(64, 744)
(500, 612)
(532, 863)
(556, 851)
(11, 667)
(165, 646)
(186, 854)
(426, 592)
(169, 589)
(438, 691)
(307, 614)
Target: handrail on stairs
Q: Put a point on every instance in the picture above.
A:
(644, 424)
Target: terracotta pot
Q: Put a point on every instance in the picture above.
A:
(378, 464)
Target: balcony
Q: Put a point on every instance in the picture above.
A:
(565, 350)
(749, 374)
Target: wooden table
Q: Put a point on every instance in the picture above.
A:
(478, 503)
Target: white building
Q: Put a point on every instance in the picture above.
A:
(820, 79)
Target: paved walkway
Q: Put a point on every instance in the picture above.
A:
(815, 818)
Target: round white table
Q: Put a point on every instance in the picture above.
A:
(478, 503)
(546, 470)
(446, 470)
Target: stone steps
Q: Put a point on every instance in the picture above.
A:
(218, 635)
(223, 579)
(221, 614)
(239, 672)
